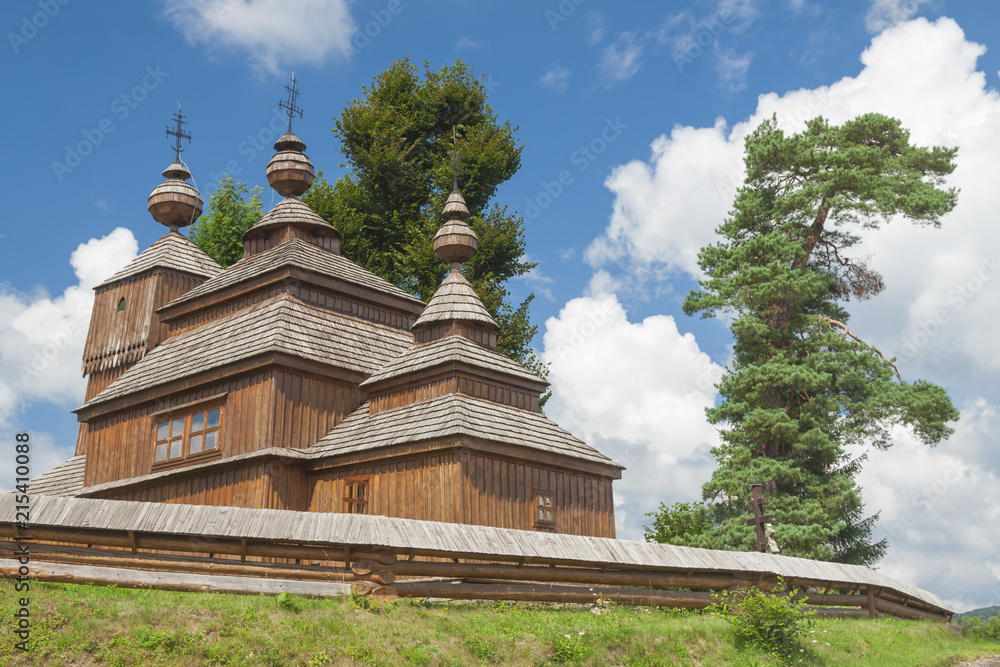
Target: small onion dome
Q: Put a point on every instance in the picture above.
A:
(290, 172)
(455, 242)
(175, 202)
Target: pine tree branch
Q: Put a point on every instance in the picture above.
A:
(845, 331)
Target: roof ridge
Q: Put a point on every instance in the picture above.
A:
(163, 253)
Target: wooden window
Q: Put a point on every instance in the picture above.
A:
(545, 511)
(356, 495)
(121, 304)
(184, 438)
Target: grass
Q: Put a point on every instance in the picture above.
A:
(90, 625)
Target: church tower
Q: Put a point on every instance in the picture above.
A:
(124, 325)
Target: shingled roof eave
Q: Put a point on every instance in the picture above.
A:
(159, 255)
(208, 330)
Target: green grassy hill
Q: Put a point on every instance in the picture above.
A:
(86, 625)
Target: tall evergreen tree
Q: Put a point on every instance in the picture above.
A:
(398, 141)
(802, 385)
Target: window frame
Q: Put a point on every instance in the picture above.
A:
(351, 502)
(187, 413)
(543, 524)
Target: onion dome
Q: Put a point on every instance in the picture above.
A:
(290, 172)
(175, 202)
(455, 243)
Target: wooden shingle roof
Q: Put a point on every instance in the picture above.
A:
(290, 211)
(301, 254)
(454, 414)
(414, 536)
(455, 300)
(279, 324)
(63, 480)
(447, 351)
(170, 251)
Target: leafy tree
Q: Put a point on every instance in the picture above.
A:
(678, 524)
(802, 386)
(232, 209)
(398, 141)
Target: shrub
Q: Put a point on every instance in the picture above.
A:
(982, 628)
(772, 622)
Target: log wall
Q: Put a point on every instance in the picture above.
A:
(120, 445)
(472, 488)
(260, 485)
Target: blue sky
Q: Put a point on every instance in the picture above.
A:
(642, 111)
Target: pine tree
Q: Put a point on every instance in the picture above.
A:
(803, 386)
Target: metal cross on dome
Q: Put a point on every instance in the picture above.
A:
(178, 133)
(289, 106)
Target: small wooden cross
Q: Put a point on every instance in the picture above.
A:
(759, 518)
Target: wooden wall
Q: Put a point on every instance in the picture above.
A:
(97, 382)
(473, 488)
(479, 334)
(308, 294)
(120, 445)
(265, 239)
(500, 492)
(306, 408)
(471, 386)
(425, 487)
(117, 337)
(261, 485)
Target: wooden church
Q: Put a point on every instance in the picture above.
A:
(295, 379)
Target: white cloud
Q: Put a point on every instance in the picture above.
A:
(884, 14)
(620, 60)
(595, 24)
(467, 43)
(731, 68)
(637, 392)
(936, 505)
(923, 73)
(42, 337)
(275, 36)
(556, 78)
(938, 313)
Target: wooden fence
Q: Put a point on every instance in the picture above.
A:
(388, 558)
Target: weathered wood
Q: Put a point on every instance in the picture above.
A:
(363, 587)
(384, 594)
(171, 581)
(826, 612)
(903, 611)
(870, 596)
(563, 574)
(174, 563)
(195, 544)
(539, 592)
(383, 577)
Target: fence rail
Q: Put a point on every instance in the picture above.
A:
(389, 558)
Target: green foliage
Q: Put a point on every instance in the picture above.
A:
(982, 628)
(984, 612)
(569, 649)
(398, 143)
(678, 524)
(285, 601)
(801, 386)
(768, 621)
(232, 209)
